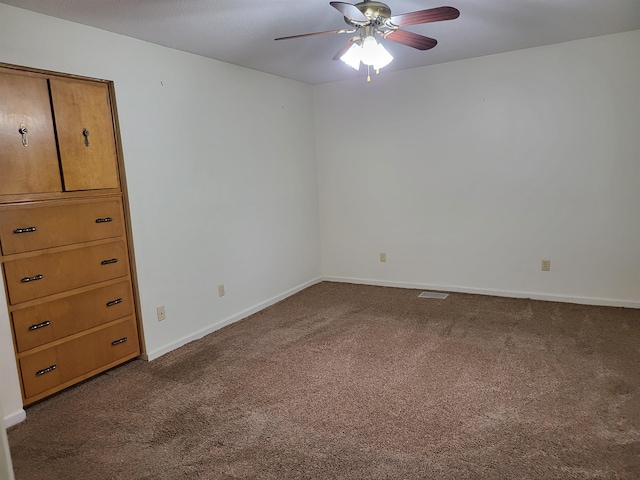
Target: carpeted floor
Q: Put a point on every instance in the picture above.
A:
(359, 382)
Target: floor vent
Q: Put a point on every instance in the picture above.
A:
(439, 296)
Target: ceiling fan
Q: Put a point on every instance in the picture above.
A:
(368, 19)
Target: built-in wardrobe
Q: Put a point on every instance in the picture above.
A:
(65, 236)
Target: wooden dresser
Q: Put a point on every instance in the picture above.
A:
(65, 240)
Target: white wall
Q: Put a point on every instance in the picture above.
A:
(6, 467)
(220, 165)
(468, 174)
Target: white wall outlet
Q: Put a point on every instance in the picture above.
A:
(221, 290)
(383, 256)
(162, 315)
(546, 265)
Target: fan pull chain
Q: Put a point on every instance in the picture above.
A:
(368, 74)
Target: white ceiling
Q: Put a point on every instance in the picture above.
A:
(242, 32)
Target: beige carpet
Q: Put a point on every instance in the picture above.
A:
(358, 382)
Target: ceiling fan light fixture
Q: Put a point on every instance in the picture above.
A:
(369, 18)
(352, 56)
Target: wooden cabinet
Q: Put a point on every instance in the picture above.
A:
(81, 155)
(65, 242)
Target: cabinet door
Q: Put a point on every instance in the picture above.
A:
(82, 112)
(30, 168)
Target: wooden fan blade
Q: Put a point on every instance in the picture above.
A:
(349, 11)
(309, 34)
(425, 16)
(411, 39)
(344, 49)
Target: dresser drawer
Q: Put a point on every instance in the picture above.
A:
(51, 273)
(66, 361)
(47, 322)
(25, 228)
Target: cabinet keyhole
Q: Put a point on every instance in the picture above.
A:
(23, 131)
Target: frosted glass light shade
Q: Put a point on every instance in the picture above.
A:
(383, 58)
(374, 54)
(352, 56)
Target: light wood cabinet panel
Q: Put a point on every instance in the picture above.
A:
(51, 321)
(60, 363)
(25, 228)
(32, 168)
(36, 277)
(85, 134)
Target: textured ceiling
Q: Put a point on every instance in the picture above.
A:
(242, 31)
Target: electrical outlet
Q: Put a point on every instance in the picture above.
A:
(546, 265)
(221, 290)
(162, 315)
(383, 256)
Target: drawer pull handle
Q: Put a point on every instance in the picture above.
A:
(119, 341)
(25, 230)
(107, 262)
(46, 323)
(114, 302)
(104, 220)
(50, 368)
(32, 279)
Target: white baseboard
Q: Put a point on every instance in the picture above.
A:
(606, 302)
(227, 321)
(15, 418)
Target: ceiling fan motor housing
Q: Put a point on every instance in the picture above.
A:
(376, 12)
